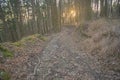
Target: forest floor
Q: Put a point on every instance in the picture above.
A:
(61, 57)
(63, 60)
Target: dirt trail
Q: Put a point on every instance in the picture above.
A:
(62, 60)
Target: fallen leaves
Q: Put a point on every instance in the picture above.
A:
(22, 63)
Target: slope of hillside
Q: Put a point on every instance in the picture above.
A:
(101, 38)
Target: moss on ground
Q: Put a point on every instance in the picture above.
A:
(4, 75)
(5, 52)
(30, 39)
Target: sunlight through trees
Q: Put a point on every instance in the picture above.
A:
(19, 18)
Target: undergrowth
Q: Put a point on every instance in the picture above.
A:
(5, 52)
(31, 39)
(4, 75)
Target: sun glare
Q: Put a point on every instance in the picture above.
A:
(73, 13)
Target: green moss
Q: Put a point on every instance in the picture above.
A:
(18, 44)
(30, 39)
(4, 75)
(42, 38)
(5, 52)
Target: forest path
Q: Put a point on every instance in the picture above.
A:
(62, 60)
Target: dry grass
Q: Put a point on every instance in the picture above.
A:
(104, 40)
(104, 35)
